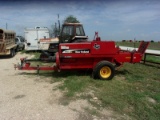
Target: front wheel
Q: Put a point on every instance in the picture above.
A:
(104, 70)
(23, 47)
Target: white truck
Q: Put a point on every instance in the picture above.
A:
(33, 36)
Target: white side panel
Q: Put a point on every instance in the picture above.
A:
(32, 36)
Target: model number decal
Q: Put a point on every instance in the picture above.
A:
(64, 47)
(75, 51)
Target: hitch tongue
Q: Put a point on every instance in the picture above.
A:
(23, 64)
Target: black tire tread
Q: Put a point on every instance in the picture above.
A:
(101, 64)
(12, 53)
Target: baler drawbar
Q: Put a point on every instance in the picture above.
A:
(102, 57)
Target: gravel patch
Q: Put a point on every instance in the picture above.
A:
(25, 98)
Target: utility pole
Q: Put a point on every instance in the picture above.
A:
(134, 42)
(55, 30)
(58, 25)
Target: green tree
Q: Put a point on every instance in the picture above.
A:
(71, 19)
(55, 30)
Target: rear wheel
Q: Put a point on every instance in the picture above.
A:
(12, 53)
(104, 70)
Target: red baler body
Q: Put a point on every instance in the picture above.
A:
(86, 55)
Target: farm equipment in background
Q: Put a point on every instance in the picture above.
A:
(102, 57)
(70, 33)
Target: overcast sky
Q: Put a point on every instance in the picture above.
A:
(113, 19)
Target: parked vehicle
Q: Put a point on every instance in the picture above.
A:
(20, 43)
(70, 33)
(7, 42)
(33, 35)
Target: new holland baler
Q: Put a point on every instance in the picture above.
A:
(102, 57)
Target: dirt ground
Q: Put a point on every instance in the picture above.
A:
(25, 97)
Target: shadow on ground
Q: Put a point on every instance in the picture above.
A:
(61, 74)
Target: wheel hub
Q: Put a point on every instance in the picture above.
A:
(105, 72)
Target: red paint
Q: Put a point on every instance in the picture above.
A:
(86, 55)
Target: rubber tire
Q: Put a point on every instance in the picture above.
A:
(23, 47)
(12, 53)
(99, 66)
(42, 55)
(17, 48)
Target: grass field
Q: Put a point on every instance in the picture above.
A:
(152, 45)
(134, 91)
